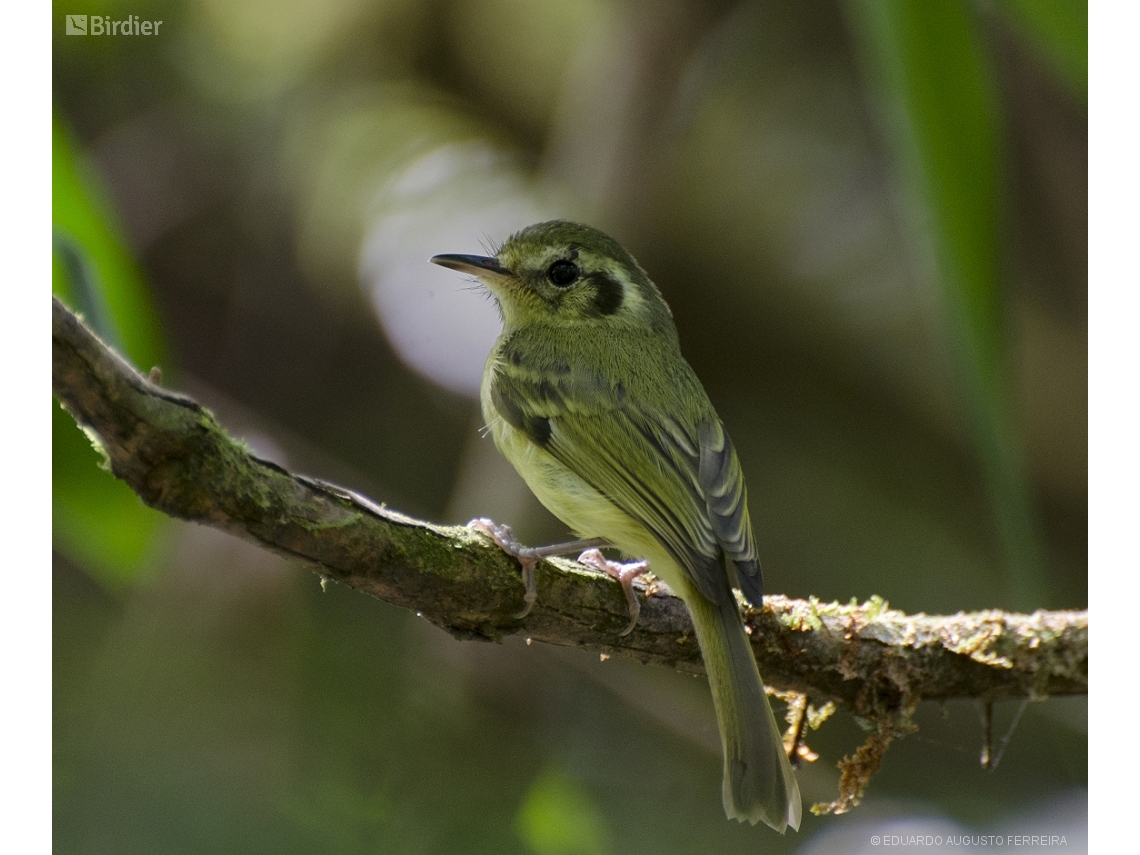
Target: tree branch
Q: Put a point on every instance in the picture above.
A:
(868, 658)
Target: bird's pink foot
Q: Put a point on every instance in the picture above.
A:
(527, 557)
(624, 573)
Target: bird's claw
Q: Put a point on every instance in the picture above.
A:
(625, 574)
(527, 558)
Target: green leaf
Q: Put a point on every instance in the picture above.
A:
(97, 521)
(939, 92)
(1059, 32)
(87, 235)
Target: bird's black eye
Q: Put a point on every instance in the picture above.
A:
(562, 273)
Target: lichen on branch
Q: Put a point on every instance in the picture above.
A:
(875, 661)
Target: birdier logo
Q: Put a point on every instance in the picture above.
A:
(100, 25)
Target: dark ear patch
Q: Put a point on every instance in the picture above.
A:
(608, 294)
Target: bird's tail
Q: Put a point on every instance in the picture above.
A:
(758, 780)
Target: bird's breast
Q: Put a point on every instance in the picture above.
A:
(562, 491)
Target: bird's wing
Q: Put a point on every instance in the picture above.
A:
(684, 484)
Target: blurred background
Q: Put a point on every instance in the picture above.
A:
(869, 219)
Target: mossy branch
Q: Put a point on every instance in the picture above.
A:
(869, 658)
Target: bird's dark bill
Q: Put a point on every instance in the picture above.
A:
(476, 264)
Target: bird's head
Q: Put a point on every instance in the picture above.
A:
(566, 273)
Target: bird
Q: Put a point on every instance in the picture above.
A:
(588, 396)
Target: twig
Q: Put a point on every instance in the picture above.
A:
(869, 658)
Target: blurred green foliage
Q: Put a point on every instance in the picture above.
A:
(559, 818)
(936, 77)
(869, 219)
(97, 521)
(1059, 31)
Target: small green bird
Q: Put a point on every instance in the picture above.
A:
(586, 393)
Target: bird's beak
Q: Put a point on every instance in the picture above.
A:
(479, 265)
